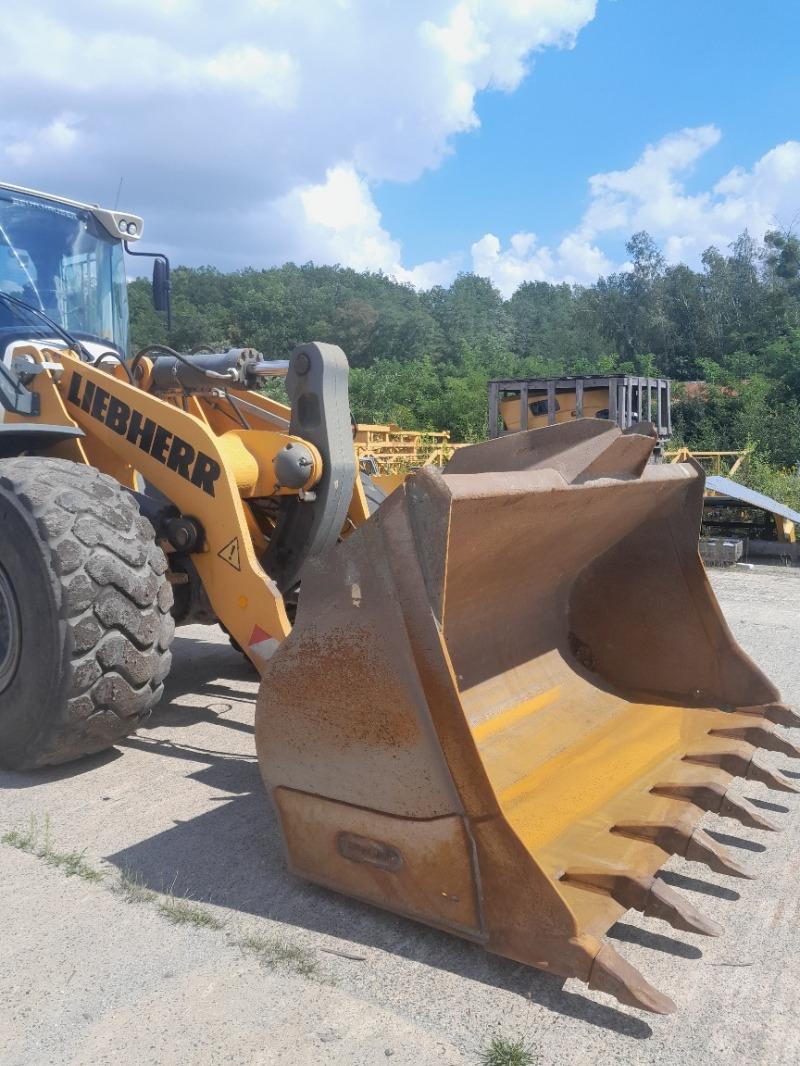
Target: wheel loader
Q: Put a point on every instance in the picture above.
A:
(496, 702)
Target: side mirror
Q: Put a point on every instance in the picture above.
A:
(161, 285)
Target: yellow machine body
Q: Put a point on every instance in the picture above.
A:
(497, 703)
(595, 400)
(508, 695)
(198, 455)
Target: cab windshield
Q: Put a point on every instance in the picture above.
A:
(59, 260)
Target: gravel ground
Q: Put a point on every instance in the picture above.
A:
(212, 953)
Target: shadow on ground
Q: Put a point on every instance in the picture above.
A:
(198, 669)
(232, 855)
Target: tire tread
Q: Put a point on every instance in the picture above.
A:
(114, 600)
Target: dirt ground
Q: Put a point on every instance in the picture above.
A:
(147, 915)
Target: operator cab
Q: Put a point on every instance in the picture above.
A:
(67, 261)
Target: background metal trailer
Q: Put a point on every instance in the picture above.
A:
(529, 403)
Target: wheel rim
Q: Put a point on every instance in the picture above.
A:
(10, 632)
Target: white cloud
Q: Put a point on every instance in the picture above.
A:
(479, 44)
(337, 221)
(255, 131)
(652, 195)
(224, 118)
(575, 261)
(273, 75)
(58, 137)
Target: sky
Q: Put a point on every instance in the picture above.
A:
(522, 139)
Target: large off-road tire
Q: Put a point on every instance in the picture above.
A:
(85, 623)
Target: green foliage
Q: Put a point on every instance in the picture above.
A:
(783, 485)
(422, 359)
(502, 1052)
(131, 886)
(404, 392)
(38, 842)
(275, 952)
(181, 911)
(23, 839)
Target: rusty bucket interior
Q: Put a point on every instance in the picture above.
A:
(510, 696)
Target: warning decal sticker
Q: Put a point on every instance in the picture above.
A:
(258, 636)
(230, 553)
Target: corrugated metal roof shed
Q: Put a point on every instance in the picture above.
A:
(726, 487)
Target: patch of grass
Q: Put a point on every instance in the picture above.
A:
(502, 1052)
(24, 839)
(272, 951)
(130, 886)
(73, 863)
(182, 911)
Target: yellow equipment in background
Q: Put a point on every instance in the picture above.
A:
(496, 701)
(626, 400)
(595, 405)
(387, 453)
(717, 463)
(395, 450)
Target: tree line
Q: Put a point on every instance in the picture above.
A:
(422, 358)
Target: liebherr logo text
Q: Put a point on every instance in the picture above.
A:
(165, 447)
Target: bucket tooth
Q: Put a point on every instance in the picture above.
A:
(746, 814)
(668, 905)
(738, 765)
(778, 713)
(713, 796)
(701, 848)
(649, 896)
(771, 778)
(612, 974)
(694, 845)
(760, 736)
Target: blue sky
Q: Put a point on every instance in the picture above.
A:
(371, 133)
(639, 70)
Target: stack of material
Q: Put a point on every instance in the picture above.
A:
(716, 551)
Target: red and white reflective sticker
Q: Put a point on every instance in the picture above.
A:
(261, 644)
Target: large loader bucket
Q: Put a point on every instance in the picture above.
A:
(510, 696)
